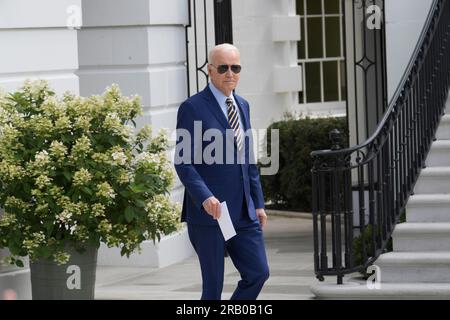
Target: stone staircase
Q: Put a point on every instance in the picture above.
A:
(419, 266)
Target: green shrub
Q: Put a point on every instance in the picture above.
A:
(366, 236)
(290, 188)
(73, 173)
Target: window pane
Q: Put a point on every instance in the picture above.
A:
(332, 36)
(301, 93)
(315, 44)
(300, 97)
(301, 43)
(300, 7)
(330, 81)
(314, 7)
(332, 6)
(312, 75)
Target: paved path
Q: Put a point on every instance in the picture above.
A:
(289, 248)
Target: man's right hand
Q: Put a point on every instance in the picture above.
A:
(212, 207)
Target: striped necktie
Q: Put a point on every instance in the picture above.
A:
(233, 119)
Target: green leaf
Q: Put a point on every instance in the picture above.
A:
(140, 203)
(48, 225)
(19, 263)
(111, 140)
(26, 188)
(125, 194)
(129, 214)
(87, 190)
(138, 188)
(44, 252)
(67, 175)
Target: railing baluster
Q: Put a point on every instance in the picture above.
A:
(416, 127)
(374, 225)
(380, 212)
(315, 211)
(362, 217)
(409, 148)
(349, 257)
(337, 239)
(323, 222)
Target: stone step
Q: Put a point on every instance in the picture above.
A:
(428, 208)
(385, 291)
(414, 267)
(433, 180)
(443, 132)
(439, 154)
(421, 237)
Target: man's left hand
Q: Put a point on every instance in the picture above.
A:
(262, 216)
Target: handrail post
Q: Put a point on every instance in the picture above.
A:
(336, 140)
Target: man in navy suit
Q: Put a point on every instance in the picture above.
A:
(207, 182)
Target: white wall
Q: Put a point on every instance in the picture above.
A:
(36, 42)
(404, 22)
(266, 32)
(139, 45)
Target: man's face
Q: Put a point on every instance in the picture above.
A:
(227, 81)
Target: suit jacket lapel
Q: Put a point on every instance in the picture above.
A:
(214, 108)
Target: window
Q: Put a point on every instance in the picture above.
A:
(320, 51)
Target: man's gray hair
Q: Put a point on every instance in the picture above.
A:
(221, 47)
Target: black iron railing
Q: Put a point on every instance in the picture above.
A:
(196, 45)
(359, 193)
(199, 37)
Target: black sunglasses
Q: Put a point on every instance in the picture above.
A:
(221, 69)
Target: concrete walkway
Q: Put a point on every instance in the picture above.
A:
(289, 247)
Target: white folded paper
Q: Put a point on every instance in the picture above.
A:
(225, 223)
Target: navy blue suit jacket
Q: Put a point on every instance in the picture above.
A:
(233, 183)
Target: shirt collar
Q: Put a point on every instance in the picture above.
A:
(220, 97)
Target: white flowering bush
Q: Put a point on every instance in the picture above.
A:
(73, 173)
